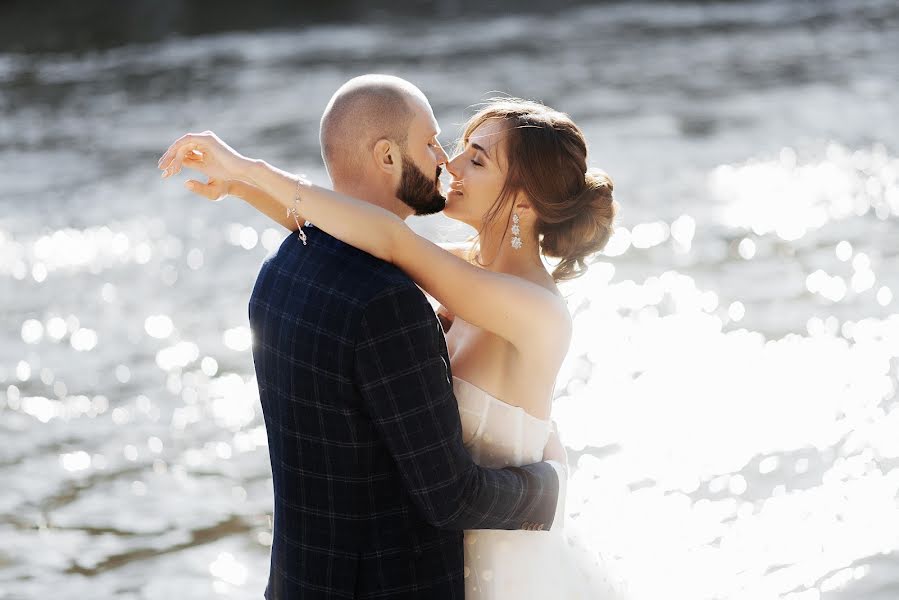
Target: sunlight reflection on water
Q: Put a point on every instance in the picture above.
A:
(737, 465)
(728, 401)
(692, 417)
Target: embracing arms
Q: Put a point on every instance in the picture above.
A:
(411, 404)
(518, 311)
(402, 369)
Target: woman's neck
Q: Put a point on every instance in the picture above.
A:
(495, 252)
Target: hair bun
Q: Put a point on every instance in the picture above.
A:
(587, 228)
(596, 180)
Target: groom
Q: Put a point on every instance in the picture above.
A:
(372, 485)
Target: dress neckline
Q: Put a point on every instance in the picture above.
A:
(495, 399)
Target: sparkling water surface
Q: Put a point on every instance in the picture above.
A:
(729, 401)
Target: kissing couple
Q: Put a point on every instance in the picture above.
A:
(413, 454)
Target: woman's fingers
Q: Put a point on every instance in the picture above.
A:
(170, 152)
(179, 147)
(203, 189)
(212, 190)
(165, 163)
(204, 152)
(177, 161)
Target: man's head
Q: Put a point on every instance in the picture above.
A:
(378, 131)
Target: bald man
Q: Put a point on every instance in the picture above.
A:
(370, 123)
(372, 485)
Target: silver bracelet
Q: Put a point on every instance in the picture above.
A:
(296, 213)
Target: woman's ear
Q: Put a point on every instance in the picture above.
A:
(521, 204)
(386, 156)
(524, 209)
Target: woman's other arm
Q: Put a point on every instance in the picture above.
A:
(256, 197)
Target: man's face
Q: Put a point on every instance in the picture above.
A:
(422, 156)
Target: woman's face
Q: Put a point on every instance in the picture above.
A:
(478, 174)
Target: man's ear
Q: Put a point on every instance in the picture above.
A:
(386, 156)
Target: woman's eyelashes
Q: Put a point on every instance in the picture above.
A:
(474, 154)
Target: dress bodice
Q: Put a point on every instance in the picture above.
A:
(520, 564)
(498, 434)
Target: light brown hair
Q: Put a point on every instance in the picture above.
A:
(547, 161)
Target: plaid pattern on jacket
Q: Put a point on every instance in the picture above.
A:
(372, 485)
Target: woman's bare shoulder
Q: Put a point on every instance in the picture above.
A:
(540, 278)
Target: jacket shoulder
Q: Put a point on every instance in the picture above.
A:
(372, 277)
(337, 268)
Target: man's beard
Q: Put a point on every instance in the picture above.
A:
(418, 192)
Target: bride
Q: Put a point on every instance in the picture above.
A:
(520, 178)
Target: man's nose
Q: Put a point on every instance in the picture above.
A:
(442, 157)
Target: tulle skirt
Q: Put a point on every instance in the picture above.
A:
(535, 565)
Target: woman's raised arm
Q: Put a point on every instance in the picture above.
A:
(517, 310)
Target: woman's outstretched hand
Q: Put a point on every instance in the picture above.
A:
(207, 153)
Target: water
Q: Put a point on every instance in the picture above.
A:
(729, 400)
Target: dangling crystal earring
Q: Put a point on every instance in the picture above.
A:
(516, 231)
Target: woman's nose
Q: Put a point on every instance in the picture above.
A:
(452, 165)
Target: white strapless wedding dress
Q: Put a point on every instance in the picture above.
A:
(521, 565)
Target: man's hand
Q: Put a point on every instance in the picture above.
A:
(206, 153)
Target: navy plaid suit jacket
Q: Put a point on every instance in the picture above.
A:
(372, 485)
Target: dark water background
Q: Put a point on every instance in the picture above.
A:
(729, 400)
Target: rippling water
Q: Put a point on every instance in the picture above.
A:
(729, 400)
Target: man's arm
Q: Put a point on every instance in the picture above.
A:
(403, 373)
